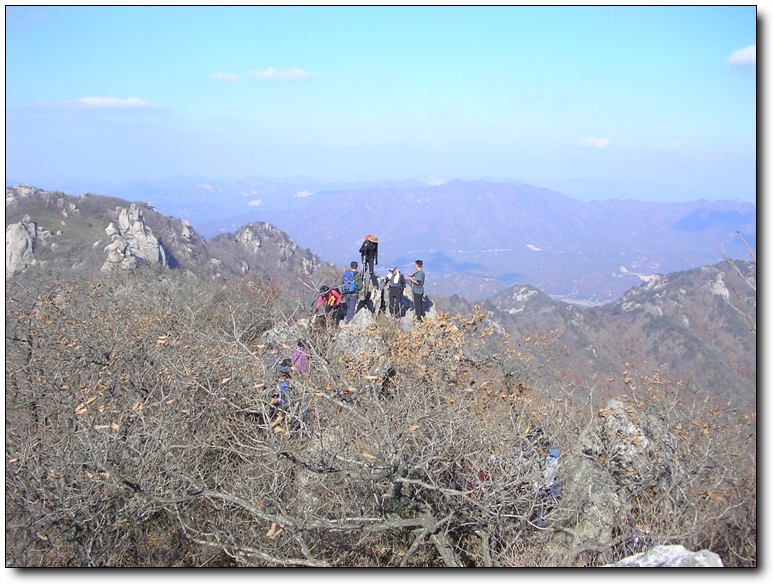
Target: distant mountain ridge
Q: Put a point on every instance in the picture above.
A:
(498, 233)
(476, 237)
(203, 200)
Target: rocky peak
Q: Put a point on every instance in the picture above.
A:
(132, 242)
(263, 240)
(13, 195)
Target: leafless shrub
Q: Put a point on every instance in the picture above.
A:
(142, 430)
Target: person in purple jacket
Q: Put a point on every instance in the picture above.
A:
(300, 358)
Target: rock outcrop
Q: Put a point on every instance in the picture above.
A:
(132, 242)
(136, 234)
(609, 455)
(353, 339)
(283, 250)
(670, 556)
(19, 246)
(15, 195)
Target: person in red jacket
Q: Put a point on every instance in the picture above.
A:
(329, 300)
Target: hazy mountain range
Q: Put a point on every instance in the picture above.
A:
(475, 237)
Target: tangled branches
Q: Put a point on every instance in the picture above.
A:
(144, 429)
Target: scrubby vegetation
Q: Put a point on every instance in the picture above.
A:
(140, 431)
(700, 325)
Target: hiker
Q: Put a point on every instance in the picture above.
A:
(330, 299)
(533, 442)
(396, 287)
(380, 304)
(300, 357)
(549, 491)
(280, 397)
(351, 284)
(638, 540)
(270, 355)
(369, 256)
(285, 368)
(549, 470)
(417, 285)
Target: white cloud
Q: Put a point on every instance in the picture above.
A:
(747, 56)
(224, 77)
(115, 103)
(300, 194)
(255, 203)
(285, 75)
(595, 142)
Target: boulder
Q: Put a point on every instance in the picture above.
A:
(670, 556)
(608, 453)
(429, 307)
(283, 334)
(19, 246)
(618, 437)
(595, 509)
(356, 339)
(187, 232)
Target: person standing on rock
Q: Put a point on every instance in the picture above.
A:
(396, 287)
(417, 286)
(351, 284)
(369, 257)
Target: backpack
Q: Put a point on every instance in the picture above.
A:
(349, 283)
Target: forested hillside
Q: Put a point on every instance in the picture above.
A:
(698, 326)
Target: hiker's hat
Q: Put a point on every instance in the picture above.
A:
(324, 289)
(374, 239)
(393, 268)
(554, 452)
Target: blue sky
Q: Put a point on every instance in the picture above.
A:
(659, 97)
